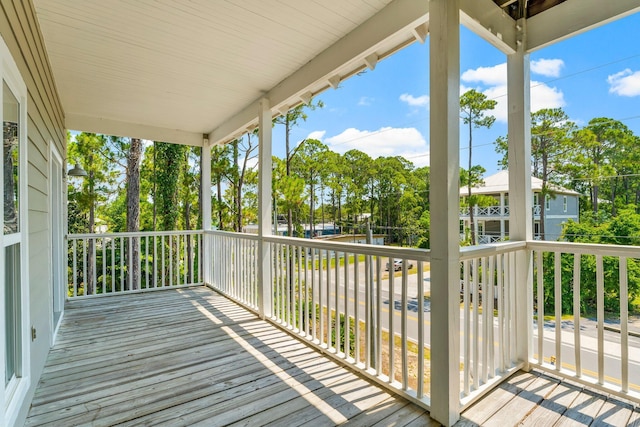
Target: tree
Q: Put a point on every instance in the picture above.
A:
(169, 158)
(290, 119)
(243, 151)
(92, 152)
(357, 176)
(473, 108)
(335, 169)
(133, 207)
(308, 164)
(220, 169)
(551, 145)
(605, 149)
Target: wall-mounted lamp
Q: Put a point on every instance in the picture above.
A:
(77, 171)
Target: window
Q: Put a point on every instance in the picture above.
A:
(564, 203)
(536, 199)
(13, 261)
(547, 202)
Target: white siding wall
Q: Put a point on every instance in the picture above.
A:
(45, 125)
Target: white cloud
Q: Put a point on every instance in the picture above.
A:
(365, 101)
(488, 76)
(413, 101)
(384, 142)
(547, 67)
(544, 96)
(625, 83)
(317, 134)
(493, 83)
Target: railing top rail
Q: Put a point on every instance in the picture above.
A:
(133, 234)
(470, 252)
(360, 248)
(585, 248)
(247, 236)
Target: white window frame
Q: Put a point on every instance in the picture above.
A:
(564, 203)
(547, 202)
(12, 397)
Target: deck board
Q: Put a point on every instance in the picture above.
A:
(192, 357)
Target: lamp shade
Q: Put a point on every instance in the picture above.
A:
(77, 171)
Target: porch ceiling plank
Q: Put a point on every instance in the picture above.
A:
(182, 66)
(490, 22)
(381, 34)
(573, 17)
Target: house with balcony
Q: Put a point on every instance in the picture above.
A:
(491, 222)
(214, 328)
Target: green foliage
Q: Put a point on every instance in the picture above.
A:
(623, 229)
(169, 158)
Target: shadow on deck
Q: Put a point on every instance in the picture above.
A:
(192, 357)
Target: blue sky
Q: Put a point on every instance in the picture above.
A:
(385, 112)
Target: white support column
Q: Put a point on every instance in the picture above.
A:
(521, 213)
(264, 210)
(205, 183)
(444, 83)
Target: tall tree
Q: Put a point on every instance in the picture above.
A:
(292, 118)
(243, 151)
(169, 158)
(134, 157)
(602, 146)
(308, 164)
(357, 176)
(473, 110)
(551, 145)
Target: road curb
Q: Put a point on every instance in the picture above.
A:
(617, 330)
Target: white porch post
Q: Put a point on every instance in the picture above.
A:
(521, 214)
(264, 210)
(205, 183)
(444, 64)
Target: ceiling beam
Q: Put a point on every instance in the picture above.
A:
(489, 21)
(389, 28)
(131, 130)
(573, 17)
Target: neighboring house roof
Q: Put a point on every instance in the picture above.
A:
(499, 183)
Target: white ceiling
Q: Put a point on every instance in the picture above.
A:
(174, 70)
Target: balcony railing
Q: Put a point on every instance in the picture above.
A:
(600, 351)
(484, 211)
(369, 306)
(101, 264)
(492, 211)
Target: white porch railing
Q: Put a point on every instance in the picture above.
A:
(232, 265)
(101, 264)
(601, 352)
(341, 298)
(488, 316)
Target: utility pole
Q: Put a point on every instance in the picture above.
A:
(371, 317)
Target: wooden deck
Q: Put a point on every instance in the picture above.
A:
(192, 357)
